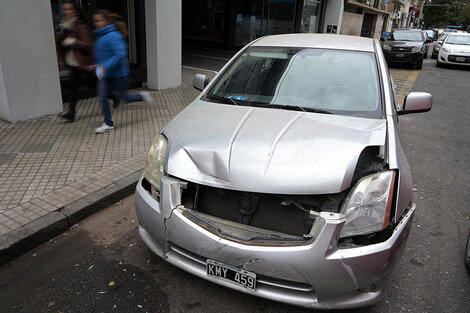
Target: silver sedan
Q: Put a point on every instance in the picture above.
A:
(285, 178)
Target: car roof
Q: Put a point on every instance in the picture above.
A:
(325, 41)
(408, 29)
(459, 34)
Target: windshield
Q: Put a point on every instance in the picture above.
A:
(317, 80)
(406, 36)
(458, 40)
(442, 37)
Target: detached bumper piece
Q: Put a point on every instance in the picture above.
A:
(303, 267)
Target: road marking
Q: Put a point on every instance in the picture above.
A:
(404, 80)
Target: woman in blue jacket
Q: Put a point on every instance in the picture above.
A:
(112, 67)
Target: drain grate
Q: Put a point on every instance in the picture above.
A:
(36, 147)
(7, 158)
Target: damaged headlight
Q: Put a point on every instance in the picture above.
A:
(154, 162)
(367, 207)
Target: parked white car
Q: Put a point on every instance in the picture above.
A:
(455, 50)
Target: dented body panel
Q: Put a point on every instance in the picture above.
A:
(232, 151)
(317, 274)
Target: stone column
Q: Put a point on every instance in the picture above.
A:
(163, 38)
(29, 75)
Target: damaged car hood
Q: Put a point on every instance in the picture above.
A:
(268, 150)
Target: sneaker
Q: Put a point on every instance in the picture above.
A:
(68, 117)
(146, 96)
(104, 128)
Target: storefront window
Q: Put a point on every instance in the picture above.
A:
(263, 17)
(311, 16)
(204, 20)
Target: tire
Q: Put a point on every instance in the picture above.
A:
(425, 56)
(438, 64)
(467, 253)
(433, 56)
(419, 65)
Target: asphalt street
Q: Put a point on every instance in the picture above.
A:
(101, 265)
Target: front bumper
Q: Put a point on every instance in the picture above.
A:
(451, 58)
(402, 57)
(314, 275)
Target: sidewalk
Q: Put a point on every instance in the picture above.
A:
(53, 174)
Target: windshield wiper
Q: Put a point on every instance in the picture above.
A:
(226, 100)
(297, 108)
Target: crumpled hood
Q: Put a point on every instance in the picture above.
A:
(268, 150)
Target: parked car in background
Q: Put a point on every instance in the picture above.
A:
(437, 46)
(406, 46)
(430, 34)
(285, 178)
(455, 50)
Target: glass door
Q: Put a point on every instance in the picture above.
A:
(256, 18)
(311, 16)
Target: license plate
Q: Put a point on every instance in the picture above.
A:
(232, 274)
(400, 55)
(460, 59)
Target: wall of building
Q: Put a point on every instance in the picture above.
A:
(352, 24)
(163, 41)
(29, 78)
(379, 22)
(334, 11)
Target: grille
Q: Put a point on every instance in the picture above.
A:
(401, 49)
(453, 58)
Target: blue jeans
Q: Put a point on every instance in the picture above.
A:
(117, 86)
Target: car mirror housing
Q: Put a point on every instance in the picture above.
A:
(416, 102)
(200, 81)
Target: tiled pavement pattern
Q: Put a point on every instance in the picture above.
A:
(46, 164)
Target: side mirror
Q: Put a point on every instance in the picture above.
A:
(200, 81)
(382, 39)
(416, 102)
(439, 42)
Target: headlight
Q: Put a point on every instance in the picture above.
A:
(387, 47)
(155, 157)
(416, 49)
(445, 49)
(367, 207)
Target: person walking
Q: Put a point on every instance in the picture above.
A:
(112, 66)
(77, 43)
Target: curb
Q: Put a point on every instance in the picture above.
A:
(37, 232)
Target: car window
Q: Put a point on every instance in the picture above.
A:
(442, 37)
(334, 81)
(406, 36)
(458, 40)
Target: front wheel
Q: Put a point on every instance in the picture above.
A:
(467, 254)
(419, 65)
(438, 64)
